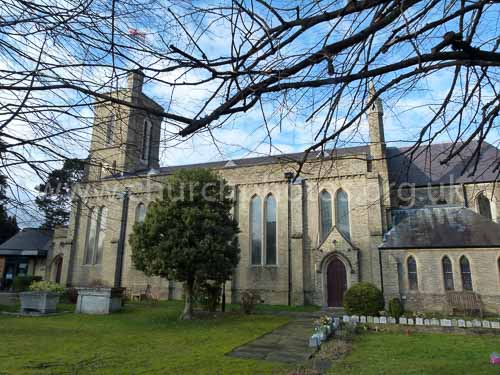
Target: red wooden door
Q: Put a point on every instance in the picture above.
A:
(336, 282)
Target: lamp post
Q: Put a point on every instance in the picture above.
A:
(289, 177)
(123, 196)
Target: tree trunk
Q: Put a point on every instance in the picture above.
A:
(223, 304)
(187, 314)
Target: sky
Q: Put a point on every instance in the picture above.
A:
(243, 136)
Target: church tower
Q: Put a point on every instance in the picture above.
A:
(376, 127)
(125, 139)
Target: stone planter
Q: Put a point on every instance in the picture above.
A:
(99, 300)
(42, 302)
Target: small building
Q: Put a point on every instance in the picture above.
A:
(31, 253)
(24, 255)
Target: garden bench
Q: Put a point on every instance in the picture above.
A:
(466, 302)
(146, 294)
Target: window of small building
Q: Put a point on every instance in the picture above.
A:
(412, 273)
(465, 271)
(448, 274)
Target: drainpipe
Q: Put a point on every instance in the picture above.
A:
(381, 271)
(289, 176)
(121, 241)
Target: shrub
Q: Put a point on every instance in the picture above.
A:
(396, 309)
(363, 299)
(46, 286)
(249, 299)
(71, 295)
(22, 283)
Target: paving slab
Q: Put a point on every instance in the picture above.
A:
(288, 344)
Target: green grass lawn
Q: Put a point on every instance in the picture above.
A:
(146, 339)
(141, 339)
(422, 354)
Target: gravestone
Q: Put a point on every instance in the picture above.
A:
(376, 320)
(369, 319)
(355, 318)
(469, 324)
(391, 320)
(486, 324)
(445, 323)
(476, 323)
(345, 318)
(461, 323)
(410, 321)
(362, 319)
(383, 320)
(403, 320)
(419, 321)
(495, 325)
(454, 323)
(427, 322)
(434, 322)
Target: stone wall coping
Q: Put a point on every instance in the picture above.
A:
(40, 293)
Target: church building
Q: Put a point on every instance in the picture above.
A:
(399, 219)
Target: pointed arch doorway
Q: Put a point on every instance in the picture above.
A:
(336, 282)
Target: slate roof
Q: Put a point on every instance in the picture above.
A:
(441, 227)
(263, 160)
(426, 167)
(28, 242)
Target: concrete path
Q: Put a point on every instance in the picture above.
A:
(288, 344)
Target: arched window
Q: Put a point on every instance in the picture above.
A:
(100, 234)
(146, 140)
(110, 128)
(448, 274)
(140, 213)
(466, 273)
(270, 210)
(412, 273)
(342, 213)
(484, 206)
(256, 230)
(325, 212)
(91, 236)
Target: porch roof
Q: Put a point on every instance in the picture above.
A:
(28, 242)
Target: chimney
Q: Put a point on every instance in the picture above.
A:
(135, 81)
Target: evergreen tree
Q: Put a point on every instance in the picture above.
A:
(55, 195)
(8, 224)
(189, 234)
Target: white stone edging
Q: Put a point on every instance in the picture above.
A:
(459, 323)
